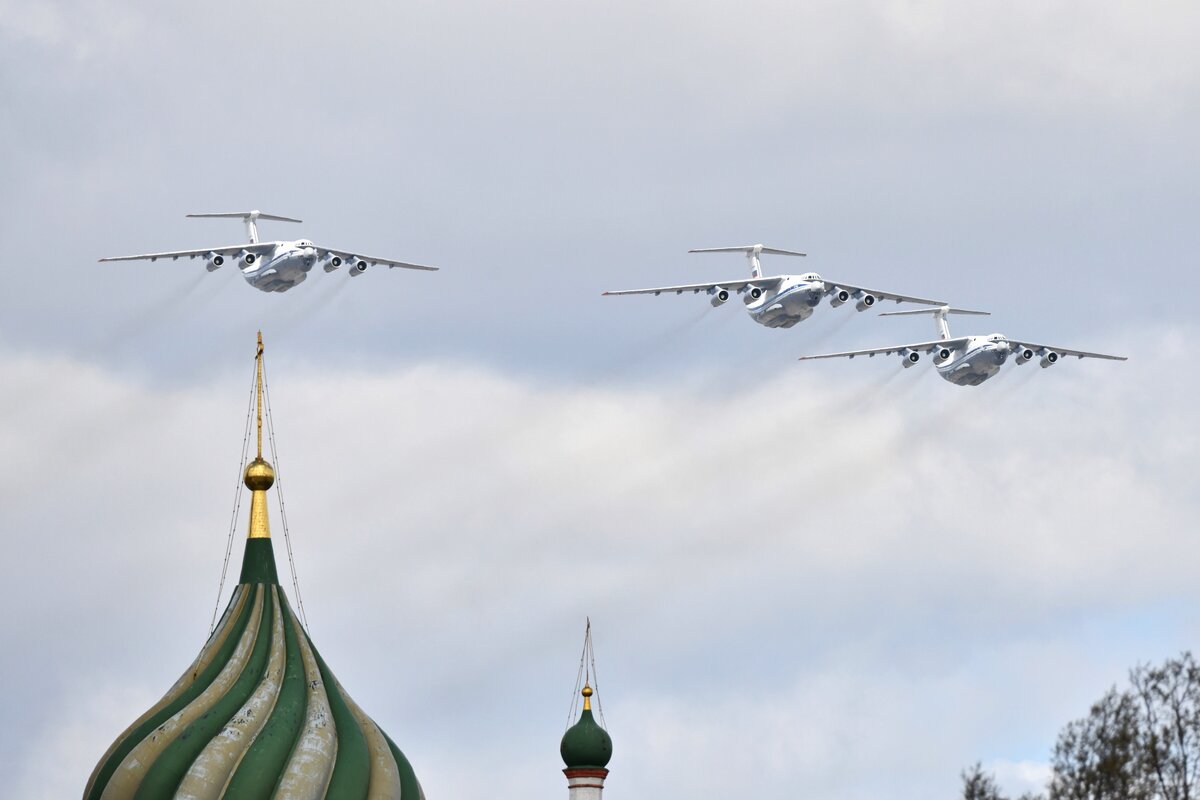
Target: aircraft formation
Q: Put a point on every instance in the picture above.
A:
(777, 301)
(782, 301)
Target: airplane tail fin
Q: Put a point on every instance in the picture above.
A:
(752, 252)
(939, 316)
(249, 217)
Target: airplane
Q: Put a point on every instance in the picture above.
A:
(273, 266)
(967, 360)
(782, 300)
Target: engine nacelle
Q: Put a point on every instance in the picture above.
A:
(865, 302)
(838, 297)
(752, 293)
(942, 355)
(719, 296)
(911, 357)
(358, 268)
(248, 259)
(332, 263)
(1049, 360)
(1024, 355)
(214, 261)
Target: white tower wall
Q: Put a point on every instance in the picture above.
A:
(585, 784)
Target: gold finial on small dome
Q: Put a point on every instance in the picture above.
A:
(587, 697)
(259, 476)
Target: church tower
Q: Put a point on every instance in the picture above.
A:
(586, 747)
(258, 714)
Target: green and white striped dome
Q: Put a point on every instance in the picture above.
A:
(258, 714)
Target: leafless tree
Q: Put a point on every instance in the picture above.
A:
(980, 785)
(1170, 725)
(1099, 756)
(1142, 743)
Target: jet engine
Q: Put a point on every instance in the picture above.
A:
(358, 269)
(719, 295)
(865, 302)
(752, 293)
(214, 262)
(838, 298)
(332, 263)
(942, 355)
(911, 357)
(1024, 355)
(1048, 360)
(248, 259)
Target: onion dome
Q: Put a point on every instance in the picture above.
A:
(258, 714)
(586, 744)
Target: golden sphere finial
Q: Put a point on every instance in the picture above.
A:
(587, 690)
(259, 476)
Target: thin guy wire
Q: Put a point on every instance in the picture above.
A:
(595, 678)
(282, 509)
(237, 503)
(581, 675)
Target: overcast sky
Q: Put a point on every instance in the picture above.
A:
(831, 580)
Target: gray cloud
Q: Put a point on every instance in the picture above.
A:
(834, 575)
(1034, 159)
(841, 587)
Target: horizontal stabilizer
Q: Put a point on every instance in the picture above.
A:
(244, 215)
(939, 311)
(750, 248)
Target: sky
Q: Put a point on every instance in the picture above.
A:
(831, 579)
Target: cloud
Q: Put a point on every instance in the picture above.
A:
(1021, 776)
(847, 579)
(1014, 156)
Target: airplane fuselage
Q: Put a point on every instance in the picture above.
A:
(792, 301)
(978, 360)
(281, 268)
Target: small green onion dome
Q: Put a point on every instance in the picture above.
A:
(586, 744)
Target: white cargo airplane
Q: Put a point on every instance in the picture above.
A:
(783, 300)
(967, 360)
(273, 266)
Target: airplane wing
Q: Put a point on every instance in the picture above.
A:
(833, 286)
(229, 251)
(696, 288)
(350, 256)
(1062, 351)
(919, 347)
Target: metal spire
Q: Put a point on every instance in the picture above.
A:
(258, 360)
(260, 476)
